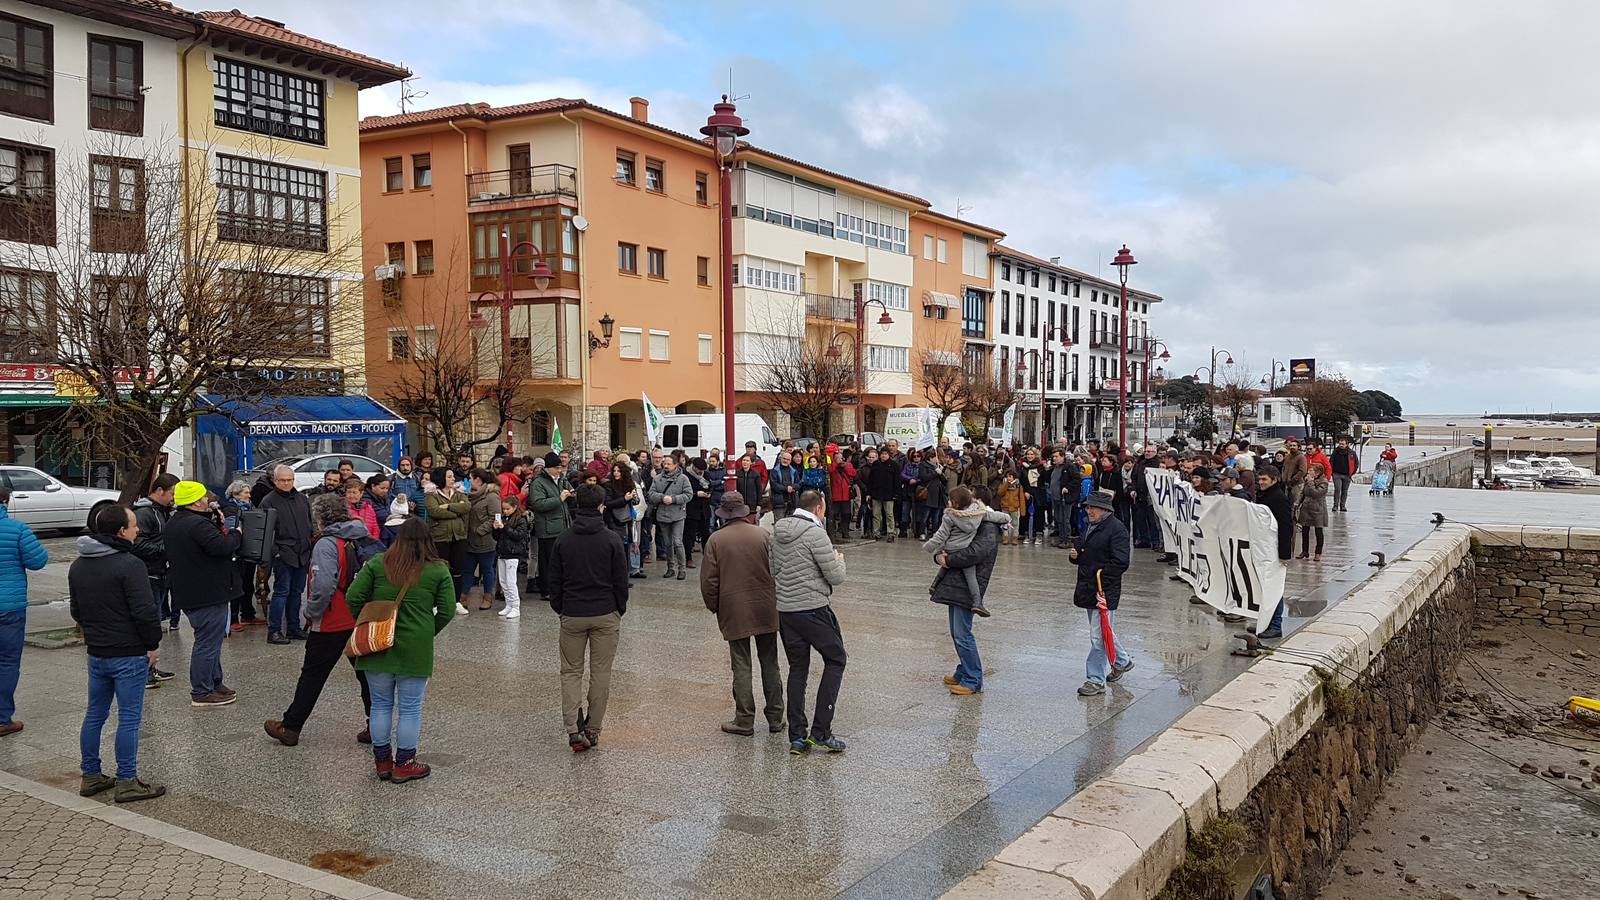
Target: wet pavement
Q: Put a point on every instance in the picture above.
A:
(668, 806)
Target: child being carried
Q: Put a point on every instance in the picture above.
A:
(957, 531)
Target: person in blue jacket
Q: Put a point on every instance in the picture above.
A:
(20, 551)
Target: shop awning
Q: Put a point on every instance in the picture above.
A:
(309, 417)
(935, 298)
(34, 400)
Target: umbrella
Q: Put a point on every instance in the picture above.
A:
(1109, 639)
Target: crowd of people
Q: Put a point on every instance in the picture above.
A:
(401, 556)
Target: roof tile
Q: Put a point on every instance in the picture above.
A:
(381, 72)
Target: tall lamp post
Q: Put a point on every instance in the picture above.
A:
(1041, 358)
(1271, 378)
(1122, 261)
(541, 280)
(724, 128)
(1211, 370)
(1150, 345)
(884, 321)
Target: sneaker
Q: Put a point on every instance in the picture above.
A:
(637, 573)
(593, 736)
(285, 736)
(1232, 618)
(173, 625)
(274, 637)
(504, 611)
(1117, 671)
(237, 627)
(830, 744)
(578, 741)
(409, 771)
(133, 790)
(460, 610)
(150, 682)
(1091, 689)
(160, 675)
(667, 573)
(799, 748)
(961, 690)
(226, 691)
(212, 699)
(736, 728)
(89, 785)
(515, 613)
(1174, 577)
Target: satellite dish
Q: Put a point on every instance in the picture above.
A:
(580, 223)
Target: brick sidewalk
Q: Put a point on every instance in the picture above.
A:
(55, 844)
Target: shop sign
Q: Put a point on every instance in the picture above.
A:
(312, 429)
(1302, 371)
(283, 380)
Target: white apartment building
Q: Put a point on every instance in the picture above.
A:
(809, 245)
(1038, 303)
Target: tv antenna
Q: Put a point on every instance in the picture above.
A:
(959, 208)
(409, 95)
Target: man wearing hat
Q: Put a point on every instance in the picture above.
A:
(1101, 553)
(736, 584)
(547, 503)
(1228, 484)
(202, 578)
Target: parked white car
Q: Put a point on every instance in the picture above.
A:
(308, 469)
(42, 502)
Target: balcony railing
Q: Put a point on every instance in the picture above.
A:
(551, 180)
(838, 309)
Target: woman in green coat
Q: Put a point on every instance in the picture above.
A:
(448, 508)
(399, 675)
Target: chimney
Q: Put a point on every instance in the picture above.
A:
(641, 108)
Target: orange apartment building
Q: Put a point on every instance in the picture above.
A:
(951, 276)
(623, 212)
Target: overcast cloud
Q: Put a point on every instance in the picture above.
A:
(1408, 192)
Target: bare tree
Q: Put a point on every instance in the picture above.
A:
(800, 376)
(168, 280)
(947, 385)
(1234, 393)
(1327, 404)
(991, 395)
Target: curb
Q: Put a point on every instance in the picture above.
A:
(121, 817)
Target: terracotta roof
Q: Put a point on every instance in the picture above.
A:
(974, 226)
(1003, 250)
(150, 16)
(367, 71)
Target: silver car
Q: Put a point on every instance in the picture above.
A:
(40, 501)
(308, 469)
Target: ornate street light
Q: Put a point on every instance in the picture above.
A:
(724, 128)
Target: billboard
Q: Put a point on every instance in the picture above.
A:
(1302, 371)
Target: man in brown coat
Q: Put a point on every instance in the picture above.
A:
(736, 584)
(1294, 470)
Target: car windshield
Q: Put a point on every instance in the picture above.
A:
(283, 461)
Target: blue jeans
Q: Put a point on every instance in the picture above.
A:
(210, 624)
(1277, 616)
(969, 669)
(12, 627)
(288, 586)
(479, 569)
(163, 597)
(124, 677)
(388, 693)
(1095, 670)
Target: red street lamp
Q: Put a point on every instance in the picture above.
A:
(541, 276)
(1122, 261)
(724, 128)
(884, 321)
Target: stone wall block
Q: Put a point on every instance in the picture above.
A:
(1148, 816)
(1550, 537)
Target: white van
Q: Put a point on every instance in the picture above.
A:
(914, 427)
(697, 433)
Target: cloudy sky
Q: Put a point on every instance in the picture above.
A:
(1408, 192)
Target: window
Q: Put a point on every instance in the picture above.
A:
(625, 167)
(1061, 373)
(707, 352)
(1052, 284)
(630, 343)
(519, 356)
(1035, 277)
(888, 359)
(943, 255)
(1005, 364)
(628, 258)
(27, 314)
(268, 101)
(116, 101)
(549, 228)
(790, 201)
(399, 344)
(394, 174)
(659, 345)
(424, 254)
(27, 194)
(1051, 320)
(1266, 412)
(395, 253)
(1022, 313)
(298, 310)
(266, 203)
(927, 246)
(767, 274)
(1074, 371)
(421, 170)
(974, 317)
(702, 270)
(425, 342)
(1075, 311)
(656, 262)
(941, 313)
(702, 189)
(1005, 271)
(655, 178)
(126, 313)
(974, 256)
(26, 71)
(1077, 289)
(893, 296)
(1005, 312)
(116, 221)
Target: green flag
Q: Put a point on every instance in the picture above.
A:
(556, 444)
(652, 421)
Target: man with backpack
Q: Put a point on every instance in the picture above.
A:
(345, 546)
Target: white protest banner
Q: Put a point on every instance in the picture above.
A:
(1227, 547)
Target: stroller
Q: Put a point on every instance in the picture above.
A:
(1383, 478)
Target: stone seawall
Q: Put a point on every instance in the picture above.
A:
(1298, 746)
(1447, 468)
(1539, 574)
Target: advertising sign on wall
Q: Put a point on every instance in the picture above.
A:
(1302, 371)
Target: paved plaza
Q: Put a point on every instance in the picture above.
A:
(669, 806)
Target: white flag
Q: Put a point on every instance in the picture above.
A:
(652, 421)
(1005, 428)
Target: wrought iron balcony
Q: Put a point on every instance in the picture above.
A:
(551, 180)
(837, 309)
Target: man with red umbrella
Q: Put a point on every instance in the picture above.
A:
(1101, 553)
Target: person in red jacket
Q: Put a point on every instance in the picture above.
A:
(511, 476)
(1315, 457)
(1389, 453)
(841, 475)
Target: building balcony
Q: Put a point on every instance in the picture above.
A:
(832, 309)
(532, 182)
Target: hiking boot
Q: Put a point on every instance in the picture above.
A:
(274, 637)
(830, 744)
(211, 699)
(1271, 634)
(364, 736)
(799, 748)
(285, 736)
(411, 770)
(578, 741)
(961, 690)
(736, 728)
(1117, 671)
(89, 785)
(385, 768)
(1091, 689)
(951, 680)
(133, 790)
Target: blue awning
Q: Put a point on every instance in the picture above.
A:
(305, 417)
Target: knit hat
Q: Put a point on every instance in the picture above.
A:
(552, 460)
(187, 493)
(399, 510)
